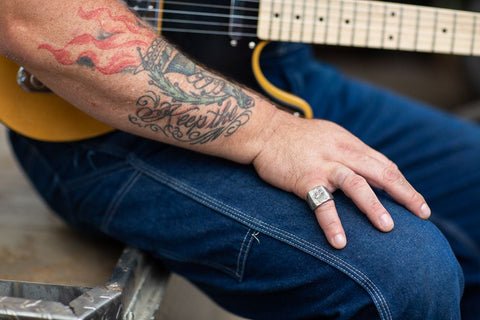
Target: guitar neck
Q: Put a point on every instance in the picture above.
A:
(370, 24)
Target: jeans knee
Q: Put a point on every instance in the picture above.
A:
(425, 280)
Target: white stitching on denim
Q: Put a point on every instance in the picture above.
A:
(309, 247)
(247, 250)
(362, 279)
(241, 250)
(347, 268)
(112, 208)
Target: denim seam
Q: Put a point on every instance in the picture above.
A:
(245, 255)
(273, 231)
(240, 254)
(117, 199)
(98, 174)
(173, 256)
(60, 182)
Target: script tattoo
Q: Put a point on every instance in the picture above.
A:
(200, 107)
(184, 102)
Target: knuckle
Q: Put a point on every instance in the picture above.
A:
(392, 174)
(331, 227)
(364, 158)
(340, 175)
(376, 206)
(355, 182)
(346, 147)
(415, 197)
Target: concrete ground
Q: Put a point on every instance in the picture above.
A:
(36, 246)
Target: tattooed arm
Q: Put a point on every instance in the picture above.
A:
(101, 58)
(111, 65)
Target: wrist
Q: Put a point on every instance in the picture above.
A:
(275, 120)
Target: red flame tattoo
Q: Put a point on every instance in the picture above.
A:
(112, 50)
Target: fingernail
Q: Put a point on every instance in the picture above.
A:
(386, 221)
(339, 241)
(426, 212)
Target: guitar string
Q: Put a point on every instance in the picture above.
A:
(381, 5)
(458, 36)
(339, 25)
(286, 20)
(439, 46)
(184, 3)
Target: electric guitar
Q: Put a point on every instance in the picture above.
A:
(27, 107)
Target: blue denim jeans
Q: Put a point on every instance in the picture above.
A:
(257, 250)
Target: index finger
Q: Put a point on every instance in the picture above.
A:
(387, 176)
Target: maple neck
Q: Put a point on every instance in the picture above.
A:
(370, 24)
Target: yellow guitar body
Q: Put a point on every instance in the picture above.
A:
(42, 116)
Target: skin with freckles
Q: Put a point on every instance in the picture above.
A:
(100, 57)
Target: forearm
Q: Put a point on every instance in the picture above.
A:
(101, 58)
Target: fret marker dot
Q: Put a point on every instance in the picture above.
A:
(444, 30)
(297, 17)
(276, 15)
(390, 37)
(392, 14)
(347, 21)
(320, 19)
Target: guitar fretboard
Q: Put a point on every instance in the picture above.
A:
(370, 24)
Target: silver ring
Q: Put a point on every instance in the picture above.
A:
(318, 196)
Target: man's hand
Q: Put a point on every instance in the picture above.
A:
(301, 154)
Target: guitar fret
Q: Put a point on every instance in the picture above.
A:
(270, 15)
(284, 23)
(347, 23)
(277, 16)
(303, 19)
(417, 25)
(392, 26)
(354, 22)
(425, 30)
(327, 21)
(407, 33)
(369, 19)
(454, 30)
(444, 26)
(382, 44)
(292, 21)
(264, 29)
(435, 21)
(474, 36)
(315, 10)
(376, 24)
(463, 33)
(400, 24)
(360, 24)
(296, 22)
(340, 23)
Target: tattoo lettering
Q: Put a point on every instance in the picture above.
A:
(184, 102)
(201, 108)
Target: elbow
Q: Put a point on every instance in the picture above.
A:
(11, 31)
